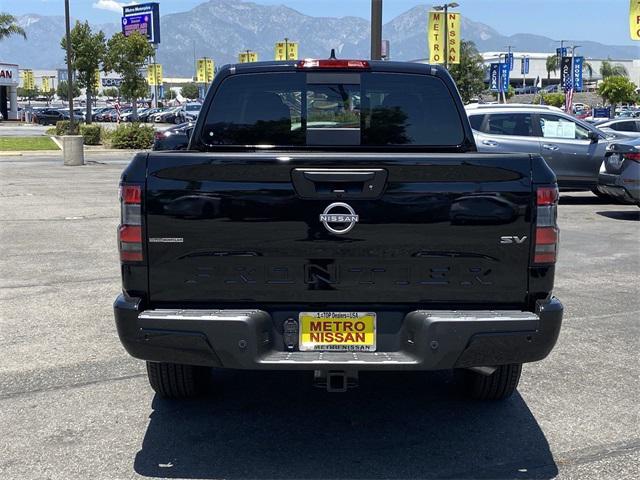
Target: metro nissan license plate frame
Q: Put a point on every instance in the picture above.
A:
(349, 322)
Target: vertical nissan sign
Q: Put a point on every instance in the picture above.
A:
(143, 18)
(634, 19)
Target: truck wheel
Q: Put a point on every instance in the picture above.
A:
(173, 380)
(499, 385)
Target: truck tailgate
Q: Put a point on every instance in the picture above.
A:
(246, 227)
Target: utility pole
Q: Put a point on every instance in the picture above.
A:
(72, 122)
(376, 29)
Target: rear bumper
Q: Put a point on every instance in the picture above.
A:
(614, 186)
(424, 339)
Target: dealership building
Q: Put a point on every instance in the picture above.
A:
(9, 81)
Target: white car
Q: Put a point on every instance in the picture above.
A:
(188, 112)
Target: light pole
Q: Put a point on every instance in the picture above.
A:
(72, 128)
(376, 29)
(446, 8)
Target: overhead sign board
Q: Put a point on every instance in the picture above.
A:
(9, 75)
(111, 82)
(144, 19)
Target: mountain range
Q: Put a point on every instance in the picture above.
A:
(221, 28)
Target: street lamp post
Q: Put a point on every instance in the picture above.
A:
(446, 8)
(376, 29)
(69, 67)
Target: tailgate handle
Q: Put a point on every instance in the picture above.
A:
(333, 183)
(338, 176)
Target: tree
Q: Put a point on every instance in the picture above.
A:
(468, 74)
(190, 90)
(551, 65)
(8, 27)
(554, 99)
(28, 94)
(88, 51)
(127, 56)
(63, 91)
(111, 92)
(617, 90)
(48, 95)
(607, 69)
(169, 94)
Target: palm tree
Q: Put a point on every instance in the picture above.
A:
(607, 69)
(8, 26)
(551, 65)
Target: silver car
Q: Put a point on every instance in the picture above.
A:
(620, 172)
(572, 148)
(629, 127)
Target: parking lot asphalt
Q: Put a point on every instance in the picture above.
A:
(73, 404)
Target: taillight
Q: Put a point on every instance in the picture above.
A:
(547, 233)
(130, 229)
(333, 63)
(634, 157)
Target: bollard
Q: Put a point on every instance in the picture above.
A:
(73, 150)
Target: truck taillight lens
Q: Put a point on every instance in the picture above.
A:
(334, 63)
(547, 233)
(130, 229)
(634, 157)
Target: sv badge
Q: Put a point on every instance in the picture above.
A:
(510, 239)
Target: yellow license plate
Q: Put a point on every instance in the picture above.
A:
(338, 331)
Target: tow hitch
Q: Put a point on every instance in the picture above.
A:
(335, 381)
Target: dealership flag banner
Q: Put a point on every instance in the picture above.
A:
(634, 19)
(577, 73)
(565, 73)
(154, 74)
(504, 77)
(204, 71)
(247, 57)
(438, 47)
(291, 51)
(435, 37)
(494, 77)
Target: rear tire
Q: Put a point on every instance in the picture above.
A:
(500, 385)
(173, 380)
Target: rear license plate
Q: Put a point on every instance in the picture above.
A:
(338, 331)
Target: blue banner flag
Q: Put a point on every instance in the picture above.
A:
(494, 76)
(577, 73)
(524, 65)
(504, 77)
(511, 61)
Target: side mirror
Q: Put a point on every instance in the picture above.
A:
(593, 136)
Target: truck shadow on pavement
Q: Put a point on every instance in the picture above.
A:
(629, 215)
(394, 425)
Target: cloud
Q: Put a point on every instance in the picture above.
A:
(112, 5)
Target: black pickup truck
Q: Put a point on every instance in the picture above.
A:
(334, 216)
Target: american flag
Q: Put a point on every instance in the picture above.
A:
(568, 90)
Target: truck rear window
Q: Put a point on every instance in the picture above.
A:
(312, 108)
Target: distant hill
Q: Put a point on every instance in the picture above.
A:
(222, 28)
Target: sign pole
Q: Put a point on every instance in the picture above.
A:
(72, 128)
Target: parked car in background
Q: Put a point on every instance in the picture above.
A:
(166, 116)
(526, 89)
(572, 148)
(620, 172)
(629, 127)
(173, 138)
(188, 112)
(96, 112)
(128, 116)
(144, 116)
(105, 115)
(550, 88)
(50, 116)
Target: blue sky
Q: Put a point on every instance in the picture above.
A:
(605, 21)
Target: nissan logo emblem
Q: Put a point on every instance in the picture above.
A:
(346, 219)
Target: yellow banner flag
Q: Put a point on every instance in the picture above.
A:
(247, 57)
(291, 51)
(453, 42)
(96, 80)
(209, 70)
(634, 19)
(201, 71)
(154, 74)
(435, 37)
(45, 84)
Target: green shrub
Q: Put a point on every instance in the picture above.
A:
(51, 131)
(62, 127)
(554, 99)
(133, 135)
(92, 134)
